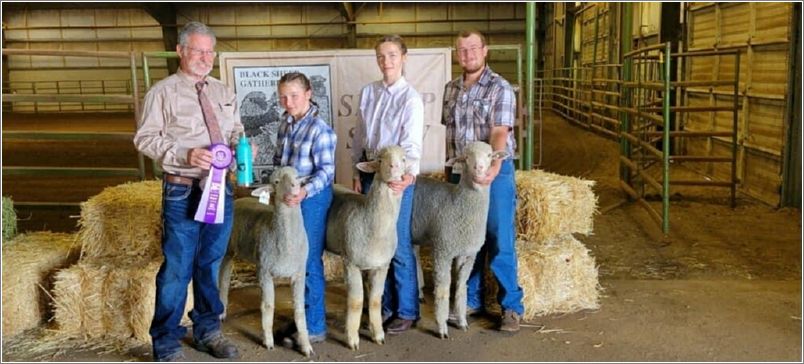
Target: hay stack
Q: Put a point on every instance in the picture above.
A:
(29, 262)
(9, 220)
(557, 276)
(123, 220)
(333, 267)
(109, 298)
(550, 205)
(440, 176)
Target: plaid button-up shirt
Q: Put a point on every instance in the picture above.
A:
(309, 146)
(470, 114)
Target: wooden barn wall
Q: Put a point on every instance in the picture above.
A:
(241, 27)
(595, 47)
(761, 31)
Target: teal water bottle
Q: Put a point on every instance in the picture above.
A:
(244, 162)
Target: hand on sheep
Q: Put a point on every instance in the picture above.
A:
(295, 200)
(199, 157)
(399, 186)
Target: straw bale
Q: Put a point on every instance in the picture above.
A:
(108, 299)
(333, 267)
(123, 220)
(440, 176)
(550, 205)
(9, 220)
(29, 262)
(557, 276)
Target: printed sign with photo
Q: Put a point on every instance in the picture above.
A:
(261, 112)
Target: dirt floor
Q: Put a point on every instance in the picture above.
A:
(725, 285)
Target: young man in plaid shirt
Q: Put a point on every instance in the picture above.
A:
(480, 106)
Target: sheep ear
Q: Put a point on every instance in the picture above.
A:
(368, 167)
(266, 188)
(452, 161)
(500, 154)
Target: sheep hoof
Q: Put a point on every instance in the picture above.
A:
(443, 335)
(308, 351)
(380, 341)
(464, 327)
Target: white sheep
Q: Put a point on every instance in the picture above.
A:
(273, 238)
(362, 230)
(453, 219)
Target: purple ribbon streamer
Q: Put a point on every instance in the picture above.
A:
(211, 207)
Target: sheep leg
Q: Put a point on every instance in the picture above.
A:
(297, 285)
(267, 309)
(442, 282)
(354, 305)
(464, 264)
(224, 281)
(419, 271)
(377, 277)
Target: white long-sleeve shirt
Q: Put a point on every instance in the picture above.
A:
(390, 115)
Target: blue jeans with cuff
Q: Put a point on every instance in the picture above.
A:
(192, 251)
(315, 210)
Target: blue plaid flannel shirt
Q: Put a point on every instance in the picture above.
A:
(309, 146)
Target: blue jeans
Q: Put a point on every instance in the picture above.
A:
(314, 211)
(500, 246)
(401, 294)
(192, 250)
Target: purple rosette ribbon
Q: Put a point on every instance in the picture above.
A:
(210, 209)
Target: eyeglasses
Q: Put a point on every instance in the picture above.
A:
(468, 50)
(201, 52)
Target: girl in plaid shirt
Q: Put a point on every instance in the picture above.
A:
(307, 143)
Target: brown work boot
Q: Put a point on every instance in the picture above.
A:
(398, 326)
(218, 347)
(510, 321)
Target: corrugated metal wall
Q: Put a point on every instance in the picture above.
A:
(762, 33)
(239, 27)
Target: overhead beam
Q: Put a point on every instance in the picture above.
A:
(165, 15)
(348, 12)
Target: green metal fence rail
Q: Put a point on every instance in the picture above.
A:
(146, 76)
(646, 90)
(132, 98)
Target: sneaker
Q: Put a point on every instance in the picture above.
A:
(510, 321)
(175, 357)
(218, 347)
(399, 325)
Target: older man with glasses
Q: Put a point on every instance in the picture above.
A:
(189, 124)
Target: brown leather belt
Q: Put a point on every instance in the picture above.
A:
(187, 181)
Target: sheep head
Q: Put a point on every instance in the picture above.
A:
(283, 181)
(477, 158)
(389, 165)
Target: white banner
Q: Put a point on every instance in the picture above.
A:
(340, 74)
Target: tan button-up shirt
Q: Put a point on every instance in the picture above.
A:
(172, 122)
